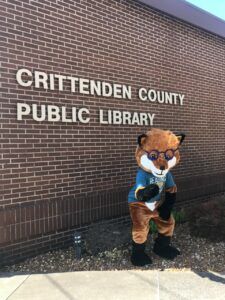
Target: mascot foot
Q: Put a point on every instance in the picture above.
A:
(138, 256)
(163, 248)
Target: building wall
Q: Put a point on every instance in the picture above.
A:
(57, 176)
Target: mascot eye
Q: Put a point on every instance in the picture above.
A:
(169, 154)
(153, 155)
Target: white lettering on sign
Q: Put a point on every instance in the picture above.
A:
(23, 109)
(52, 113)
(43, 80)
(80, 115)
(24, 82)
(160, 96)
(93, 87)
(125, 117)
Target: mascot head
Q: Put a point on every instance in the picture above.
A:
(158, 151)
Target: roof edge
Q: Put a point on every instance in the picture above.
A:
(190, 13)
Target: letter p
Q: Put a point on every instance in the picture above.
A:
(22, 110)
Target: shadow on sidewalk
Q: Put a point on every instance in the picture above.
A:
(210, 276)
(60, 288)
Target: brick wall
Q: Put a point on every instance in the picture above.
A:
(58, 176)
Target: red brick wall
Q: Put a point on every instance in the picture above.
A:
(57, 176)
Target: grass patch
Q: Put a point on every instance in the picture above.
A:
(179, 216)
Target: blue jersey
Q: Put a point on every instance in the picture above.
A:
(144, 178)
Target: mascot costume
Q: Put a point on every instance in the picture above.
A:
(157, 152)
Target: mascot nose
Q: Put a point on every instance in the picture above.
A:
(162, 168)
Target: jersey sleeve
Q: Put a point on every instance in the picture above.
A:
(169, 181)
(140, 181)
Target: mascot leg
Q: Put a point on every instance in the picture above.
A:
(162, 245)
(140, 216)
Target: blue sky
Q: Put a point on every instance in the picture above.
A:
(215, 7)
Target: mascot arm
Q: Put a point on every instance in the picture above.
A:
(166, 208)
(146, 193)
(170, 198)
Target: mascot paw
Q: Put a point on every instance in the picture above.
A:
(168, 252)
(139, 257)
(163, 248)
(148, 192)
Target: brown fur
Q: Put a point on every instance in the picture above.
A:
(141, 216)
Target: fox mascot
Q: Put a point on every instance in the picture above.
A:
(157, 152)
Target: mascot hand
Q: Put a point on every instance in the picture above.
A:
(148, 192)
(166, 208)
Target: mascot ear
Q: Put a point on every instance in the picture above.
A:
(141, 139)
(180, 137)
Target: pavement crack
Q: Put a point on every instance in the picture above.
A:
(18, 287)
(157, 285)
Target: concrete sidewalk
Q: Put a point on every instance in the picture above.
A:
(114, 285)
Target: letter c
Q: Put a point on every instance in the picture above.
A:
(19, 77)
(140, 94)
